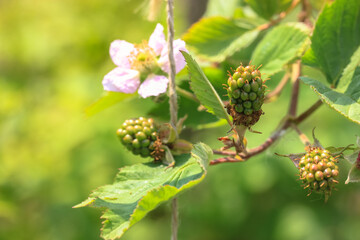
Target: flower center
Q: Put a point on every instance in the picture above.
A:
(143, 59)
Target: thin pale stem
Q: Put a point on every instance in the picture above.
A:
(172, 84)
(174, 219)
(172, 101)
(187, 94)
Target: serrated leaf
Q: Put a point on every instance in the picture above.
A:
(216, 38)
(346, 102)
(281, 45)
(109, 99)
(336, 36)
(140, 188)
(267, 8)
(203, 89)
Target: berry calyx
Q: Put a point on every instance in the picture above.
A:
(140, 136)
(246, 93)
(319, 171)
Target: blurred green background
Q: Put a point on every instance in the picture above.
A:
(53, 56)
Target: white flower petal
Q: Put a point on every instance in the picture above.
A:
(179, 58)
(157, 39)
(153, 86)
(122, 80)
(120, 51)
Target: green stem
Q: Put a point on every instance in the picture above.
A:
(187, 94)
(240, 130)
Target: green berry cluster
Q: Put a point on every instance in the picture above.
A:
(138, 135)
(318, 170)
(246, 90)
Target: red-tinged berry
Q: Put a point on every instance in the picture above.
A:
(318, 170)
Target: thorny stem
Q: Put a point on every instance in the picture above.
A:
(275, 136)
(173, 103)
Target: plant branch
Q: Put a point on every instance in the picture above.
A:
(305, 13)
(304, 139)
(282, 15)
(296, 71)
(227, 159)
(274, 137)
(273, 95)
(308, 112)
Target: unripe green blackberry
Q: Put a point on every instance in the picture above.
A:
(318, 170)
(139, 136)
(246, 93)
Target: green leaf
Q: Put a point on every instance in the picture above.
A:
(216, 124)
(216, 38)
(109, 99)
(309, 58)
(280, 46)
(346, 101)
(336, 36)
(140, 188)
(221, 8)
(349, 71)
(267, 8)
(203, 89)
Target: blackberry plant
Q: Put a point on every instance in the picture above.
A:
(281, 49)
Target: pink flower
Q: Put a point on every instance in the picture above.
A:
(143, 66)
